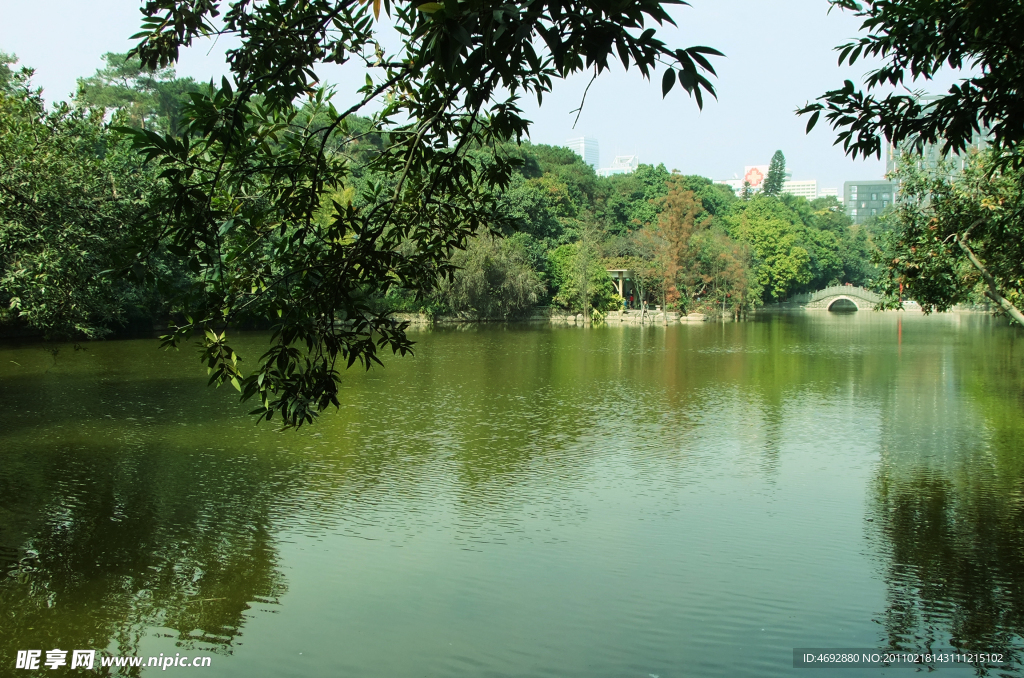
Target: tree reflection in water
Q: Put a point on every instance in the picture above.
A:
(955, 574)
(99, 546)
(947, 505)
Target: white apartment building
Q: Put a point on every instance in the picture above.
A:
(587, 148)
(804, 189)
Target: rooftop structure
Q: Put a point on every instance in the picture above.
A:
(623, 164)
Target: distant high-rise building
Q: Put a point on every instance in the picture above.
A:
(623, 164)
(931, 154)
(586, 148)
(804, 189)
(826, 192)
(866, 199)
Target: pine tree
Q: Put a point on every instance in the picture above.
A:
(776, 175)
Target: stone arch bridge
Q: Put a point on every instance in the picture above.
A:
(840, 297)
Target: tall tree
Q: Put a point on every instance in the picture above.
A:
(150, 98)
(678, 225)
(776, 175)
(774, 235)
(71, 203)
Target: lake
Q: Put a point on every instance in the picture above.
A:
(693, 500)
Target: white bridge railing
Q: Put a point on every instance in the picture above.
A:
(842, 290)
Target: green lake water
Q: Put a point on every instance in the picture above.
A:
(528, 501)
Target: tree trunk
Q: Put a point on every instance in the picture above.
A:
(993, 289)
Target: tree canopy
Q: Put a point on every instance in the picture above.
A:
(225, 226)
(257, 199)
(916, 39)
(957, 239)
(148, 98)
(72, 200)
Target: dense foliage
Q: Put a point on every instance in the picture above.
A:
(146, 98)
(72, 201)
(917, 39)
(957, 237)
(545, 235)
(253, 175)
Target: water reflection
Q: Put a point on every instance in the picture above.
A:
(110, 527)
(947, 504)
(609, 501)
(99, 548)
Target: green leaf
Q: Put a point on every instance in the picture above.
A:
(668, 81)
(812, 121)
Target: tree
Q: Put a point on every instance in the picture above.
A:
(728, 280)
(249, 177)
(774, 234)
(581, 281)
(6, 74)
(700, 266)
(677, 227)
(493, 279)
(917, 39)
(958, 239)
(71, 203)
(776, 175)
(149, 98)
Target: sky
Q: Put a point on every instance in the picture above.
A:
(779, 55)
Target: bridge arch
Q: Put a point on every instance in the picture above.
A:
(842, 303)
(825, 299)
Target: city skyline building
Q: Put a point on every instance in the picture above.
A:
(932, 154)
(804, 189)
(587, 148)
(866, 199)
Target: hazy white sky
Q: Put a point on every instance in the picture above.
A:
(779, 54)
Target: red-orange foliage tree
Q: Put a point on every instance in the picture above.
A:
(700, 266)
